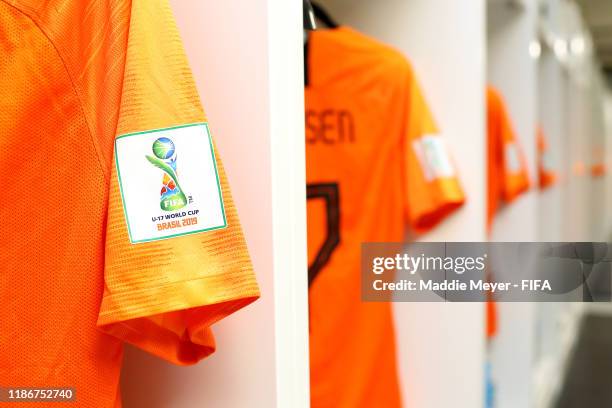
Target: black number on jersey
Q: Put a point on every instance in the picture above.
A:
(331, 194)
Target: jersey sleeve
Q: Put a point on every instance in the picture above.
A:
(431, 186)
(547, 176)
(175, 257)
(515, 173)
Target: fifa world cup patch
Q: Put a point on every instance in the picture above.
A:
(433, 157)
(169, 182)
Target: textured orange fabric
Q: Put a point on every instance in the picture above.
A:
(73, 76)
(547, 176)
(508, 175)
(366, 120)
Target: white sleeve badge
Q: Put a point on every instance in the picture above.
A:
(513, 158)
(169, 182)
(433, 157)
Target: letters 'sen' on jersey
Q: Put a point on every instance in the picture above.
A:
(117, 220)
(375, 164)
(508, 175)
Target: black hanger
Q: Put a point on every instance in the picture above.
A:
(309, 25)
(309, 16)
(313, 10)
(322, 15)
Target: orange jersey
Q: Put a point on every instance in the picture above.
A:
(598, 170)
(546, 175)
(375, 164)
(508, 176)
(598, 162)
(92, 258)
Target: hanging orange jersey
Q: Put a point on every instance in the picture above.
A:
(598, 162)
(598, 170)
(120, 225)
(375, 164)
(546, 174)
(508, 176)
(507, 173)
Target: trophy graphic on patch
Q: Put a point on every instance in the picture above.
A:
(172, 196)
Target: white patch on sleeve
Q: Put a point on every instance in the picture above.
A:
(547, 161)
(513, 158)
(169, 182)
(433, 157)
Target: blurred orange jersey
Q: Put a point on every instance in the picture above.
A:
(508, 176)
(546, 175)
(117, 222)
(375, 164)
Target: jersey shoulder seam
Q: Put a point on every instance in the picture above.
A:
(33, 16)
